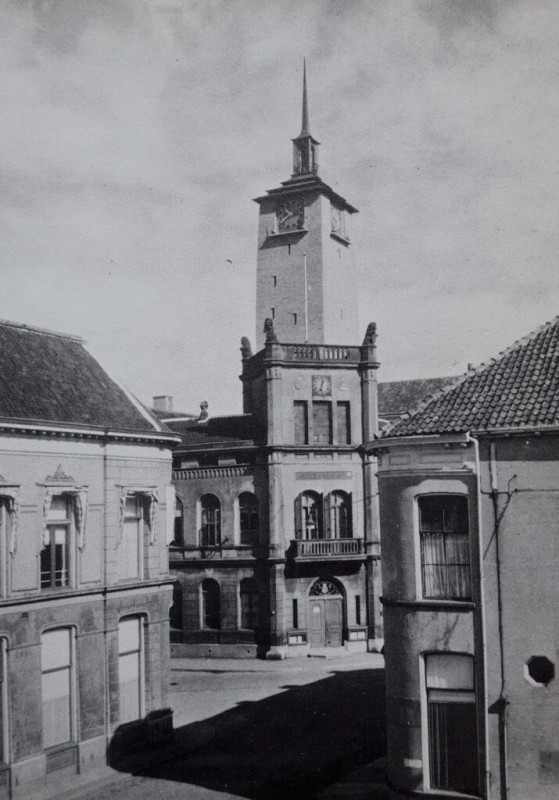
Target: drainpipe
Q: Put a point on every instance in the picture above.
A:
(500, 707)
(483, 632)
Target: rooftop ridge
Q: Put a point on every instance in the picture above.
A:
(43, 331)
(476, 370)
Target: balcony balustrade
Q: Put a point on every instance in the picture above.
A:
(327, 548)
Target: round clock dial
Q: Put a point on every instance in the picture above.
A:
(290, 214)
(321, 386)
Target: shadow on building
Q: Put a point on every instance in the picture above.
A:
(286, 747)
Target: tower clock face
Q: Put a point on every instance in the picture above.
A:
(290, 214)
(321, 386)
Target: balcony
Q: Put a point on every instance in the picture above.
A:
(317, 549)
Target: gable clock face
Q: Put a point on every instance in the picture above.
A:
(322, 386)
(290, 214)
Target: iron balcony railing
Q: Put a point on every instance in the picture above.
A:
(311, 548)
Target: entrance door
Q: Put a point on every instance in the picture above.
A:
(326, 614)
(333, 633)
(316, 625)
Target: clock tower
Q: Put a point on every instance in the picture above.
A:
(305, 271)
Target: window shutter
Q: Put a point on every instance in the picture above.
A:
(298, 517)
(349, 507)
(328, 532)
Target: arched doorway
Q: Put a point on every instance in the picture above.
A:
(326, 614)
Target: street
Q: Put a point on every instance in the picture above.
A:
(264, 730)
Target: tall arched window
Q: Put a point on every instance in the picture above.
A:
(210, 530)
(338, 515)
(248, 518)
(308, 516)
(210, 604)
(249, 603)
(178, 532)
(57, 684)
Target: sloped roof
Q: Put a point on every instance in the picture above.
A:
(397, 397)
(50, 377)
(233, 431)
(518, 389)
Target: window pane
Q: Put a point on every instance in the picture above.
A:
(56, 707)
(129, 686)
(453, 747)
(129, 550)
(343, 432)
(210, 604)
(449, 671)
(131, 506)
(445, 547)
(301, 422)
(129, 634)
(55, 649)
(322, 423)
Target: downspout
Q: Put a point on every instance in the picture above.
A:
(105, 633)
(483, 632)
(502, 702)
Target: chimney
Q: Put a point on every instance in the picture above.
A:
(163, 402)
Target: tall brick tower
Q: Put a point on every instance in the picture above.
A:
(305, 271)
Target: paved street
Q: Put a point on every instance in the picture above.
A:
(264, 730)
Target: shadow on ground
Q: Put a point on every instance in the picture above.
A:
(289, 746)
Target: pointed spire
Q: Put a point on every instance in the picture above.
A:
(305, 121)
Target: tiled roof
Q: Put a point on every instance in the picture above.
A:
(518, 389)
(50, 377)
(397, 397)
(233, 431)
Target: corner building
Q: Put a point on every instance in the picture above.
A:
(469, 501)
(276, 545)
(84, 582)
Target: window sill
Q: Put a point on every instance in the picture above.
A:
(430, 605)
(339, 238)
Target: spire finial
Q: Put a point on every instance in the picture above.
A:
(305, 122)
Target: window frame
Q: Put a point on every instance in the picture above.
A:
(250, 614)
(141, 621)
(443, 696)
(421, 582)
(333, 511)
(253, 511)
(69, 527)
(343, 412)
(297, 423)
(72, 689)
(327, 406)
(213, 527)
(301, 516)
(140, 532)
(205, 611)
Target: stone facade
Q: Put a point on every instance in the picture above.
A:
(63, 591)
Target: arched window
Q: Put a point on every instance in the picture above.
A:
(308, 516)
(338, 515)
(248, 518)
(210, 604)
(210, 531)
(178, 533)
(249, 604)
(175, 612)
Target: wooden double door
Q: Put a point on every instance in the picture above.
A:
(326, 615)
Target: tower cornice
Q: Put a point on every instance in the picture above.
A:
(307, 183)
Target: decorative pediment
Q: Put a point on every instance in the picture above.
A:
(59, 476)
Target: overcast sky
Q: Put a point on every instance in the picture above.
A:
(135, 133)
